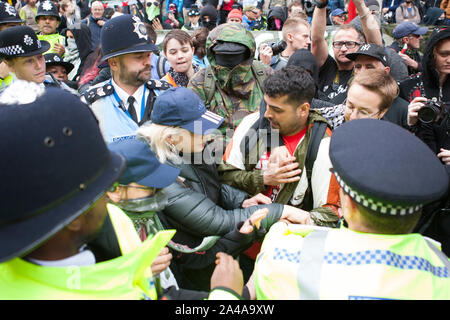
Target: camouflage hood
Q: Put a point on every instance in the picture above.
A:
(230, 32)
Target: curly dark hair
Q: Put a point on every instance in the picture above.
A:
(291, 81)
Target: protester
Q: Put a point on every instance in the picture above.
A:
(48, 20)
(445, 5)
(68, 225)
(69, 12)
(199, 38)
(337, 17)
(407, 12)
(223, 8)
(180, 124)
(95, 22)
(294, 8)
(381, 203)
(435, 17)
(179, 49)
(288, 94)
(173, 18)
(296, 35)
(336, 72)
(249, 17)
(28, 14)
(125, 101)
(235, 15)
(208, 17)
(408, 35)
(389, 8)
(276, 18)
(78, 48)
(230, 49)
(372, 57)
(432, 83)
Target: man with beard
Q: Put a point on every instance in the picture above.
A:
(123, 103)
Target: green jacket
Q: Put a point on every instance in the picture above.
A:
(251, 180)
(237, 92)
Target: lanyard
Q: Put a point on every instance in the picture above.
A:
(122, 106)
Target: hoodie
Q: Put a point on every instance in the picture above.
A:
(238, 92)
(276, 12)
(426, 83)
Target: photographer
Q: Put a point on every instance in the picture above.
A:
(296, 35)
(428, 118)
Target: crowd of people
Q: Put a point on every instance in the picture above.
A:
(208, 166)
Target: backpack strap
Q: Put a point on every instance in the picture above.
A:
(259, 71)
(209, 84)
(317, 132)
(161, 66)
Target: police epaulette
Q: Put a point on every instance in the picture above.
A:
(95, 93)
(158, 84)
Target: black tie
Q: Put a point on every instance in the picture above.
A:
(131, 108)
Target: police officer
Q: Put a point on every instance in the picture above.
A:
(386, 175)
(48, 20)
(23, 52)
(56, 217)
(124, 102)
(8, 18)
(59, 69)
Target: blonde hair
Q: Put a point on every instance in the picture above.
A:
(156, 136)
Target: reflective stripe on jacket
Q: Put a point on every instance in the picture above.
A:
(339, 264)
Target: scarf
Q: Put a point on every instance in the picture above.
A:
(181, 79)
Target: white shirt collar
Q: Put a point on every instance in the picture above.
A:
(124, 97)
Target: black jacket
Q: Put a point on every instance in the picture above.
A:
(201, 206)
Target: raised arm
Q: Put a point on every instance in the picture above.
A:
(319, 46)
(370, 25)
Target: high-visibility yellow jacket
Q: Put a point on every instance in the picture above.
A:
(305, 262)
(125, 277)
(52, 39)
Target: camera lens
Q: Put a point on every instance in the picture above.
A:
(427, 114)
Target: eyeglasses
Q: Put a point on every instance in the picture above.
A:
(360, 113)
(152, 3)
(348, 44)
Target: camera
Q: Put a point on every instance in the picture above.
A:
(309, 6)
(433, 111)
(278, 47)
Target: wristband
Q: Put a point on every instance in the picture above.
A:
(320, 4)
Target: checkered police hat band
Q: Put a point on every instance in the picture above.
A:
(376, 205)
(12, 50)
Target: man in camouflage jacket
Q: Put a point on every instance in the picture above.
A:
(232, 91)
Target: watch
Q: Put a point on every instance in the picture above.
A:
(320, 4)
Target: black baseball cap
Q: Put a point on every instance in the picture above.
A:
(371, 50)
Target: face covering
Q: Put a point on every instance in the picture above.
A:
(230, 54)
(154, 203)
(72, 52)
(152, 12)
(278, 23)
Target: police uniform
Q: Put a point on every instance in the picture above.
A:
(114, 119)
(383, 168)
(122, 35)
(48, 8)
(21, 41)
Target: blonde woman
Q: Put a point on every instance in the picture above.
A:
(198, 204)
